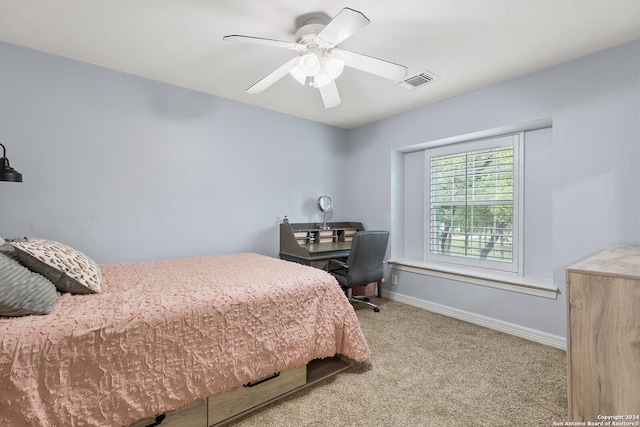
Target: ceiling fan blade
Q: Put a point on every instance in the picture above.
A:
(274, 76)
(262, 41)
(342, 26)
(379, 67)
(330, 95)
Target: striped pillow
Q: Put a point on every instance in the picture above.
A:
(23, 292)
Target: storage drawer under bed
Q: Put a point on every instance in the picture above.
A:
(191, 415)
(233, 402)
(221, 408)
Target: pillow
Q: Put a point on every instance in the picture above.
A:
(9, 250)
(70, 270)
(23, 292)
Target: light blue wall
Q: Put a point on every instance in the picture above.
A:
(128, 169)
(594, 106)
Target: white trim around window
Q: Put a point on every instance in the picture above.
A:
(536, 286)
(459, 163)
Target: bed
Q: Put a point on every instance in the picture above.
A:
(160, 335)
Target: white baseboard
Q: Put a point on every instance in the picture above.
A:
(488, 322)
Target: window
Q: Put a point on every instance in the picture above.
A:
(530, 267)
(473, 209)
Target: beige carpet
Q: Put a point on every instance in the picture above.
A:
(431, 370)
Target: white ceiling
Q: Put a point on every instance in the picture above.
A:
(468, 44)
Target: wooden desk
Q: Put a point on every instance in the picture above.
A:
(307, 243)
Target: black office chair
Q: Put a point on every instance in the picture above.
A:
(363, 265)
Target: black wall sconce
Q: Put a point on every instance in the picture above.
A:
(7, 173)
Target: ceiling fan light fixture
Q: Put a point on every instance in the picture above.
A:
(297, 74)
(333, 66)
(322, 80)
(331, 69)
(309, 64)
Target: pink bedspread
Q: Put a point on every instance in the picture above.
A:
(167, 333)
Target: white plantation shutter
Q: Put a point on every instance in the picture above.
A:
(472, 204)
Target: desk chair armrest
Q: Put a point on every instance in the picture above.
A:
(337, 261)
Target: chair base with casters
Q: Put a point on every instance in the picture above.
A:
(362, 299)
(363, 265)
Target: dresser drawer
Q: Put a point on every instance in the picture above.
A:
(233, 402)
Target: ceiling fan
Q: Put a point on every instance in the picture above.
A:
(319, 61)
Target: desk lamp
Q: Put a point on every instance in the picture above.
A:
(7, 173)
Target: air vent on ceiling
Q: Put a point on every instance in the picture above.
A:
(417, 80)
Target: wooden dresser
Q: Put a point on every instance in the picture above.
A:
(603, 346)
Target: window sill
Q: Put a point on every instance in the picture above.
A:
(511, 282)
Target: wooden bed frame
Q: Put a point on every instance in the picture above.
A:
(220, 409)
